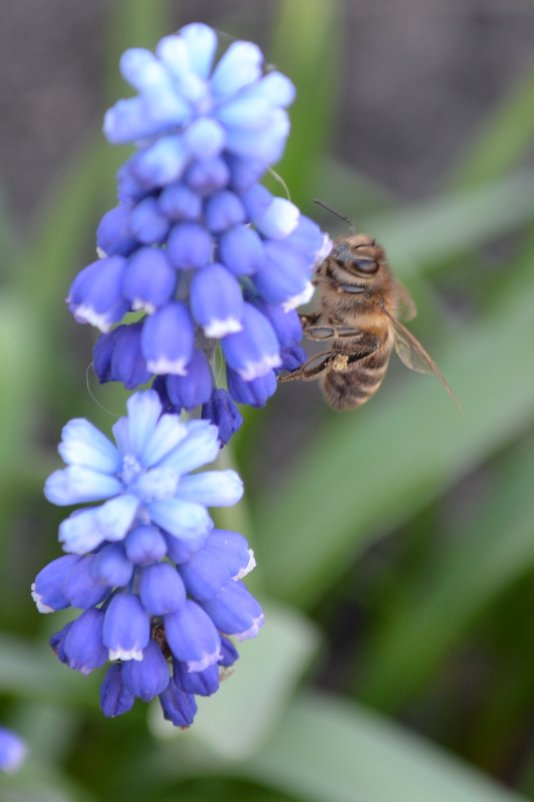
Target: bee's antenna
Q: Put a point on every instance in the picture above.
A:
(337, 214)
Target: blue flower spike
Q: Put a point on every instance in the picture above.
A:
(195, 240)
(159, 587)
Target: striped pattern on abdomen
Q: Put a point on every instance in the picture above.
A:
(355, 378)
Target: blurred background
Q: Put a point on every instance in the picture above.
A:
(396, 543)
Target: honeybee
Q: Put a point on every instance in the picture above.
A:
(359, 311)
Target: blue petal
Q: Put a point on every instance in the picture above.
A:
(240, 65)
(276, 88)
(134, 65)
(178, 202)
(194, 389)
(169, 431)
(84, 530)
(189, 245)
(79, 533)
(57, 643)
(161, 589)
(173, 52)
(192, 637)
(127, 120)
(301, 297)
(83, 444)
(160, 163)
(235, 612)
(201, 44)
(285, 276)
(254, 393)
(181, 518)
(245, 171)
(113, 235)
(221, 410)
(47, 589)
(216, 301)
(112, 567)
(115, 697)
(129, 188)
(308, 240)
(208, 175)
(167, 339)
(279, 220)
(293, 356)
(117, 356)
(121, 433)
(152, 80)
(266, 145)
(254, 351)
(256, 200)
(157, 483)
(147, 223)
(145, 545)
(229, 654)
(177, 706)
(160, 386)
(149, 281)
(211, 488)
(286, 324)
(241, 250)
(83, 642)
(76, 484)
(232, 549)
(199, 447)
(224, 556)
(166, 107)
(148, 677)
(223, 210)
(247, 110)
(126, 631)
(103, 354)
(204, 138)
(81, 587)
(253, 106)
(202, 683)
(95, 295)
(144, 410)
(179, 550)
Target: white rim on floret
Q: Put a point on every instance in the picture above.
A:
(300, 299)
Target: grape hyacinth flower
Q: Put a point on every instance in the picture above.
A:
(213, 261)
(159, 587)
(13, 750)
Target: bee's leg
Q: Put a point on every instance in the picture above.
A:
(310, 319)
(314, 332)
(311, 369)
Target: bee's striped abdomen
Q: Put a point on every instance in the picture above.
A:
(353, 379)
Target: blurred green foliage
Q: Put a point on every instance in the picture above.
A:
(396, 546)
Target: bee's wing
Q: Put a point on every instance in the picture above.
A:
(407, 309)
(413, 355)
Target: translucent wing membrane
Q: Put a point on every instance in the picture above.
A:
(413, 355)
(407, 309)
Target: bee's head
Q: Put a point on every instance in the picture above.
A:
(358, 255)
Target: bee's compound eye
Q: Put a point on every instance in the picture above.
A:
(365, 264)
